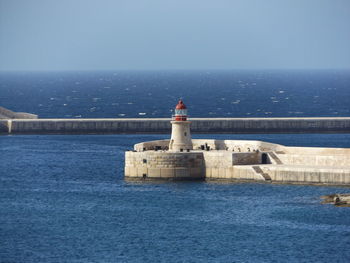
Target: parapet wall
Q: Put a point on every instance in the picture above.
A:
(162, 125)
(308, 174)
(318, 160)
(227, 145)
(235, 145)
(331, 157)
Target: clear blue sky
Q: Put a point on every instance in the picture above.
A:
(178, 34)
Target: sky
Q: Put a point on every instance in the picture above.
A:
(174, 34)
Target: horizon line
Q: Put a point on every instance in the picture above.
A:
(170, 70)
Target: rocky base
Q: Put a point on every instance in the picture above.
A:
(342, 200)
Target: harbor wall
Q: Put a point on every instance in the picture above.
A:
(306, 174)
(240, 160)
(162, 125)
(164, 165)
(283, 174)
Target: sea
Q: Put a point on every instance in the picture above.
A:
(63, 198)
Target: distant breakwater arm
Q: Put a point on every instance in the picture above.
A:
(8, 114)
(162, 125)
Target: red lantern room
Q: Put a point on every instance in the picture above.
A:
(180, 112)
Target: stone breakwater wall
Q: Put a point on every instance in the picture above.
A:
(240, 160)
(164, 165)
(162, 125)
(308, 174)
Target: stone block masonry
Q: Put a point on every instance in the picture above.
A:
(160, 164)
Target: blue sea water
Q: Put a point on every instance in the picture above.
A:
(124, 94)
(64, 198)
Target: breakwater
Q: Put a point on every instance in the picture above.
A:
(162, 125)
(239, 160)
(8, 114)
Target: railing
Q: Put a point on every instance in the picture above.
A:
(179, 118)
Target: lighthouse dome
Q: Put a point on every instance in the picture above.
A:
(180, 105)
(180, 111)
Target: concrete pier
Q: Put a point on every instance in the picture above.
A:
(162, 125)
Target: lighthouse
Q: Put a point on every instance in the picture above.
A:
(180, 130)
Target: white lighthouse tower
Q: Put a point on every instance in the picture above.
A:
(180, 130)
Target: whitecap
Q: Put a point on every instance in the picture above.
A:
(142, 113)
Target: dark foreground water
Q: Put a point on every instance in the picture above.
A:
(64, 199)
